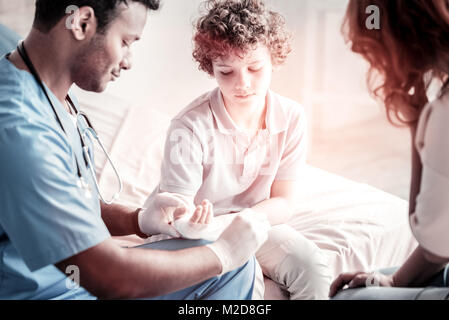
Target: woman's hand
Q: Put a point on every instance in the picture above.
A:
(360, 279)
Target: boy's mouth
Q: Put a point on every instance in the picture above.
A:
(244, 96)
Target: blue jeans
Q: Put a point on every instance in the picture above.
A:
(234, 285)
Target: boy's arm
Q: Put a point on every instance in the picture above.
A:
(279, 208)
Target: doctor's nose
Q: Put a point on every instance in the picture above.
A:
(126, 63)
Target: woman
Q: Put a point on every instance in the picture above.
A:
(407, 53)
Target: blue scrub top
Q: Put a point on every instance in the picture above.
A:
(44, 216)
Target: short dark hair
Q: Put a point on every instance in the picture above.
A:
(50, 12)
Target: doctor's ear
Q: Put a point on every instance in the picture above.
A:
(82, 22)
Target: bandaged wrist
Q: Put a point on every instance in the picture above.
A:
(210, 232)
(222, 252)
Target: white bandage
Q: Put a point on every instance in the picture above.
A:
(241, 239)
(210, 231)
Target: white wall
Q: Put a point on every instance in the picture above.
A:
(321, 72)
(163, 63)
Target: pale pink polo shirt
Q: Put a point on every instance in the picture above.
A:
(430, 221)
(207, 156)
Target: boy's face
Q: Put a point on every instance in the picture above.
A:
(102, 59)
(244, 81)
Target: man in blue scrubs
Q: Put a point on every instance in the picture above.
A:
(51, 225)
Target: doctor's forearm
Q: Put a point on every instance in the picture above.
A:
(120, 220)
(109, 271)
(277, 209)
(152, 273)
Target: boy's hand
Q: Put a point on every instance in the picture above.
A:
(203, 214)
(193, 226)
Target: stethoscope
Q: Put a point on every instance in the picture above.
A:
(86, 133)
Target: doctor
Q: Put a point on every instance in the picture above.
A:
(54, 221)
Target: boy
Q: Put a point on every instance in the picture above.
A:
(243, 146)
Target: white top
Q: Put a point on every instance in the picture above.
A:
(430, 221)
(207, 156)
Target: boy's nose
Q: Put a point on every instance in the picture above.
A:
(243, 81)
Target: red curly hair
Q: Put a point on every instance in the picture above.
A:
(234, 27)
(412, 42)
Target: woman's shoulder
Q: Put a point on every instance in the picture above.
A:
(434, 116)
(432, 134)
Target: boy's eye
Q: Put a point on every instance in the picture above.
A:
(226, 73)
(255, 69)
(125, 44)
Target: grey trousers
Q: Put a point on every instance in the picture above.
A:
(436, 289)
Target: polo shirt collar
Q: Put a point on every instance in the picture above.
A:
(276, 119)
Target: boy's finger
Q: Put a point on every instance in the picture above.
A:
(210, 213)
(205, 205)
(197, 214)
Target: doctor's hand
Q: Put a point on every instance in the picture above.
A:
(360, 279)
(159, 213)
(241, 239)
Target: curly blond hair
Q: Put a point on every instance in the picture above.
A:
(236, 26)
